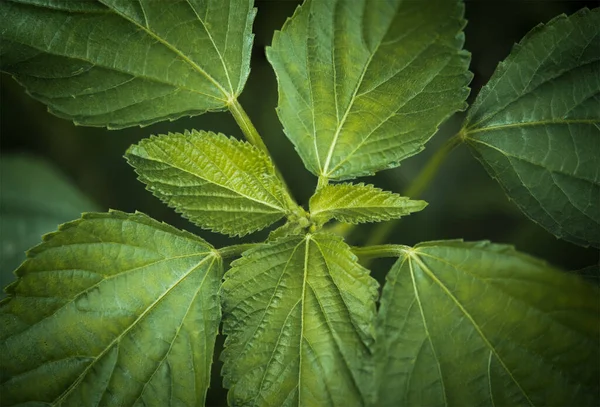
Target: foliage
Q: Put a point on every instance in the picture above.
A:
(34, 199)
(535, 126)
(120, 309)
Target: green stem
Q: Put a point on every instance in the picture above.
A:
(252, 135)
(322, 182)
(236, 249)
(420, 184)
(379, 251)
(417, 187)
(245, 124)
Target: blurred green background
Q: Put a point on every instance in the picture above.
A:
(464, 202)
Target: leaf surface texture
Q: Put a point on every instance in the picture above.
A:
(481, 324)
(113, 309)
(218, 183)
(364, 84)
(356, 203)
(536, 126)
(120, 63)
(298, 315)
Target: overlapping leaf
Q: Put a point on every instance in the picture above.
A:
(217, 182)
(536, 126)
(113, 309)
(359, 203)
(473, 324)
(298, 316)
(363, 85)
(34, 199)
(120, 63)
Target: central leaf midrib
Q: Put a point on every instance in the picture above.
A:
(395, 111)
(331, 329)
(159, 364)
(306, 241)
(541, 313)
(173, 49)
(464, 311)
(491, 114)
(540, 165)
(325, 170)
(409, 257)
(172, 165)
(212, 41)
(134, 75)
(356, 208)
(546, 122)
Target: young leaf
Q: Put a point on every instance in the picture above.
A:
(298, 315)
(34, 199)
(120, 63)
(473, 324)
(113, 309)
(218, 183)
(363, 85)
(536, 126)
(359, 203)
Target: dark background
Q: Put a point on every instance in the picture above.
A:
(464, 202)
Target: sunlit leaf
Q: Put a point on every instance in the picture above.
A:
(364, 84)
(478, 324)
(120, 63)
(298, 315)
(113, 309)
(359, 203)
(217, 182)
(536, 126)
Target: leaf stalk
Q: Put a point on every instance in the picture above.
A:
(417, 187)
(380, 251)
(236, 249)
(253, 137)
(246, 125)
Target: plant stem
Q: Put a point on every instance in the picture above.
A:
(417, 187)
(236, 249)
(252, 135)
(420, 184)
(322, 182)
(245, 124)
(379, 251)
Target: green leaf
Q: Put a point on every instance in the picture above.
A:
(363, 85)
(34, 199)
(287, 229)
(298, 315)
(359, 203)
(113, 309)
(218, 183)
(474, 324)
(536, 126)
(120, 63)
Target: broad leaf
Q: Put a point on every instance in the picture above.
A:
(479, 324)
(363, 85)
(113, 309)
(218, 183)
(536, 126)
(120, 63)
(359, 203)
(35, 198)
(298, 315)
